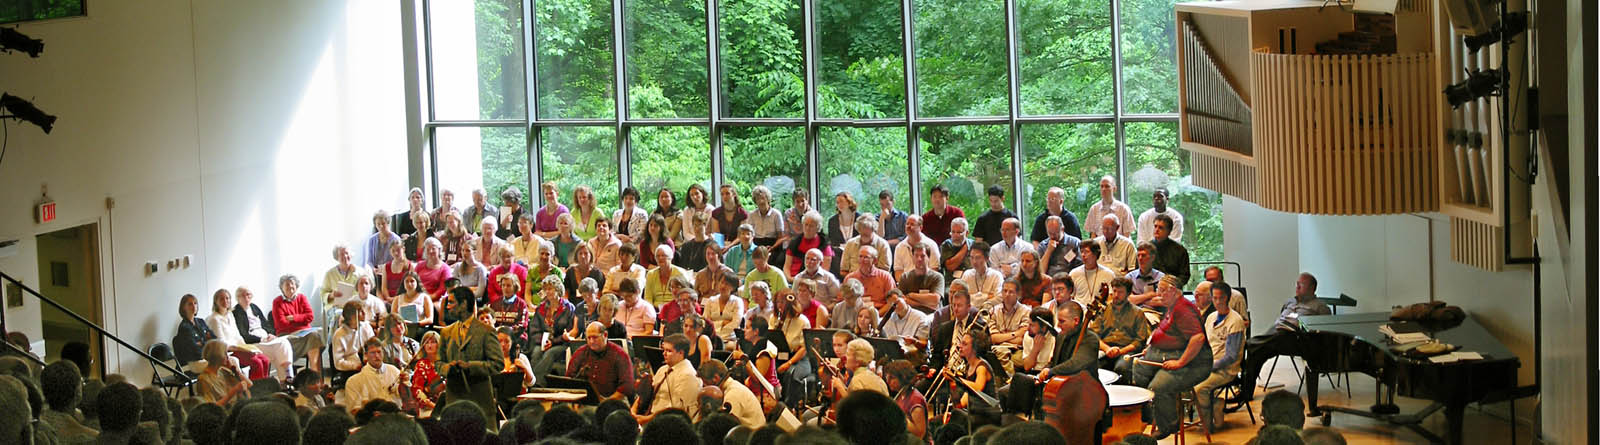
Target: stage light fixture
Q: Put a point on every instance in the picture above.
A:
(23, 110)
(1478, 84)
(11, 40)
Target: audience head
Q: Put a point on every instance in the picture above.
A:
(560, 420)
(374, 408)
(61, 385)
(1277, 435)
(120, 406)
(87, 402)
(1322, 436)
(1306, 285)
(464, 421)
(716, 426)
(155, 410)
(1283, 408)
(389, 429)
(205, 424)
(621, 428)
(330, 425)
(15, 422)
(739, 435)
(1163, 227)
(78, 353)
(867, 417)
(1034, 432)
(950, 433)
(766, 435)
(265, 422)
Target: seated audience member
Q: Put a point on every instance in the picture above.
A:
(981, 281)
(1213, 274)
(425, 231)
(922, 286)
(1034, 432)
(954, 247)
(827, 286)
(389, 273)
(1032, 283)
(221, 382)
(697, 251)
(866, 225)
(637, 315)
(544, 266)
(377, 380)
(1145, 277)
(16, 421)
(775, 278)
(308, 390)
(455, 233)
(120, 407)
(398, 349)
(86, 407)
(564, 240)
(745, 407)
(1285, 408)
(78, 353)
(62, 387)
(433, 269)
(155, 412)
(415, 306)
(329, 426)
(629, 221)
(548, 322)
(696, 204)
(939, 220)
(676, 384)
(258, 330)
(348, 339)
(511, 310)
(1122, 328)
(607, 248)
(987, 227)
(1225, 331)
(626, 268)
(1321, 436)
(655, 236)
(1058, 249)
(1280, 341)
(1116, 250)
(1008, 321)
(815, 312)
(709, 274)
(875, 282)
(761, 304)
(1276, 435)
(604, 364)
(339, 282)
(504, 265)
(377, 251)
(809, 237)
(193, 333)
(656, 289)
(913, 238)
(205, 425)
(669, 430)
(1171, 257)
(1005, 253)
(871, 417)
(582, 267)
(1061, 290)
(1089, 278)
(292, 317)
(851, 298)
(1179, 345)
(724, 309)
(389, 429)
(526, 245)
(901, 322)
(511, 198)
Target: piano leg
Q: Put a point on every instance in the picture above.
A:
(1453, 413)
(1311, 392)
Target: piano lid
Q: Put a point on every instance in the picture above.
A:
(1470, 335)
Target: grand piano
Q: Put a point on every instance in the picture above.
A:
(1353, 343)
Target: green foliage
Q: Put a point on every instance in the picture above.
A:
(29, 10)
(1065, 56)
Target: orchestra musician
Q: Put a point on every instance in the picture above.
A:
(675, 384)
(898, 377)
(739, 399)
(946, 323)
(1122, 329)
(1177, 359)
(971, 369)
(798, 368)
(604, 364)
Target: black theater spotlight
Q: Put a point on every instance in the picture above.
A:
(23, 110)
(11, 40)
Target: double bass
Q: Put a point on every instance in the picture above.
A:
(1074, 404)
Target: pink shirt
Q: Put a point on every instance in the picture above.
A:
(433, 279)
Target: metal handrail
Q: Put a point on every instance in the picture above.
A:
(23, 353)
(91, 325)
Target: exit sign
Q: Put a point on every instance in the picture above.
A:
(46, 213)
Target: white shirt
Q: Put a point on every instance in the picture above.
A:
(690, 227)
(615, 275)
(347, 346)
(1002, 253)
(1099, 210)
(1147, 224)
(902, 254)
(1086, 284)
(914, 325)
(222, 325)
(724, 316)
(636, 223)
(852, 251)
(1119, 255)
(677, 386)
(745, 405)
(1030, 347)
(370, 384)
(769, 225)
(982, 288)
(1217, 334)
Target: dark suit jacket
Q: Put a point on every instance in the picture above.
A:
(241, 321)
(1070, 361)
(192, 335)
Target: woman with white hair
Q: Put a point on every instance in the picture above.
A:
(810, 237)
(339, 283)
(292, 317)
(766, 221)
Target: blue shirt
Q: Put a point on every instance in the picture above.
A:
(894, 227)
(377, 249)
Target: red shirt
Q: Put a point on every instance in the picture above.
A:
(671, 311)
(811, 313)
(433, 279)
(1181, 322)
(610, 370)
(282, 308)
(493, 282)
(937, 227)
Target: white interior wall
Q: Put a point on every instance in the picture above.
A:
(251, 135)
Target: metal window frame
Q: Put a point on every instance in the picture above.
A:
(715, 123)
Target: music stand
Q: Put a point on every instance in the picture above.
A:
(559, 382)
(651, 355)
(642, 341)
(822, 337)
(779, 341)
(885, 347)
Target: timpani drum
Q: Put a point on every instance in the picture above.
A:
(1127, 402)
(1108, 377)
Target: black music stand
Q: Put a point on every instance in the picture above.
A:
(651, 355)
(885, 347)
(822, 337)
(643, 341)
